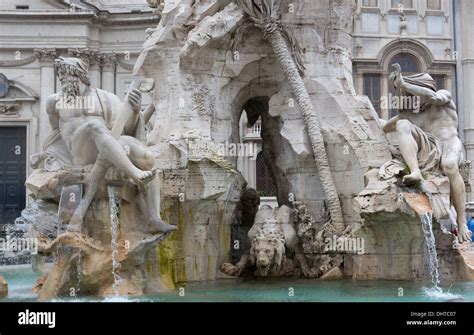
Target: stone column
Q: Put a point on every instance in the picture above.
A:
(46, 58)
(359, 83)
(449, 83)
(385, 111)
(465, 11)
(108, 65)
(94, 74)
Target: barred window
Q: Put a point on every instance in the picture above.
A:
(439, 81)
(265, 184)
(372, 90)
(408, 63)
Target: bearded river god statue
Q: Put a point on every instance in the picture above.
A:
(96, 145)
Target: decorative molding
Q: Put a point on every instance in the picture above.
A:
(107, 60)
(18, 62)
(406, 45)
(87, 55)
(126, 66)
(358, 49)
(357, 14)
(46, 55)
(10, 109)
(448, 52)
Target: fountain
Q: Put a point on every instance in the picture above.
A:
(430, 246)
(114, 219)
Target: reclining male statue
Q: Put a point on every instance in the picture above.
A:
(428, 136)
(85, 131)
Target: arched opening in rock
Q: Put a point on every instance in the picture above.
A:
(263, 131)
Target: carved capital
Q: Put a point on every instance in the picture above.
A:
(46, 55)
(87, 55)
(107, 61)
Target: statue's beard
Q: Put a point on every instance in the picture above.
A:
(70, 89)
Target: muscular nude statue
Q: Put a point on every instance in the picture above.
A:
(429, 128)
(85, 130)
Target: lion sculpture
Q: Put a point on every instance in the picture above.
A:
(272, 239)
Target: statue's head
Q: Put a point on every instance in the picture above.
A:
(72, 73)
(267, 249)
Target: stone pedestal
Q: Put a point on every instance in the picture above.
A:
(394, 239)
(84, 261)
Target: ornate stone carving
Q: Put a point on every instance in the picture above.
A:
(127, 66)
(46, 55)
(9, 109)
(275, 248)
(18, 62)
(89, 151)
(89, 56)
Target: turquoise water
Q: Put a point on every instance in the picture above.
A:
(21, 281)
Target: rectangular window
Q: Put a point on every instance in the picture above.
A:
(370, 3)
(407, 4)
(434, 4)
(372, 90)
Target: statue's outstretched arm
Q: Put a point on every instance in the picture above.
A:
(437, 98)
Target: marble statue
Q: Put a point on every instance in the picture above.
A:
(274, 246)
(428, 136)
(87, 130)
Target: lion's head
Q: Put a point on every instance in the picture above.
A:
(268, 249)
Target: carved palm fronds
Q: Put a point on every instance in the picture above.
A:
(265, 14)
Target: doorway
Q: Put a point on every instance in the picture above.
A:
(12, 174)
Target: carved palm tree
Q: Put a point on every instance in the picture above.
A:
(265, 15)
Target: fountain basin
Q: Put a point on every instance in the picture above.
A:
(21, 280)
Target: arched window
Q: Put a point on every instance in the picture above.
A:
(4, 86)
(408, 63)
(265, 184)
